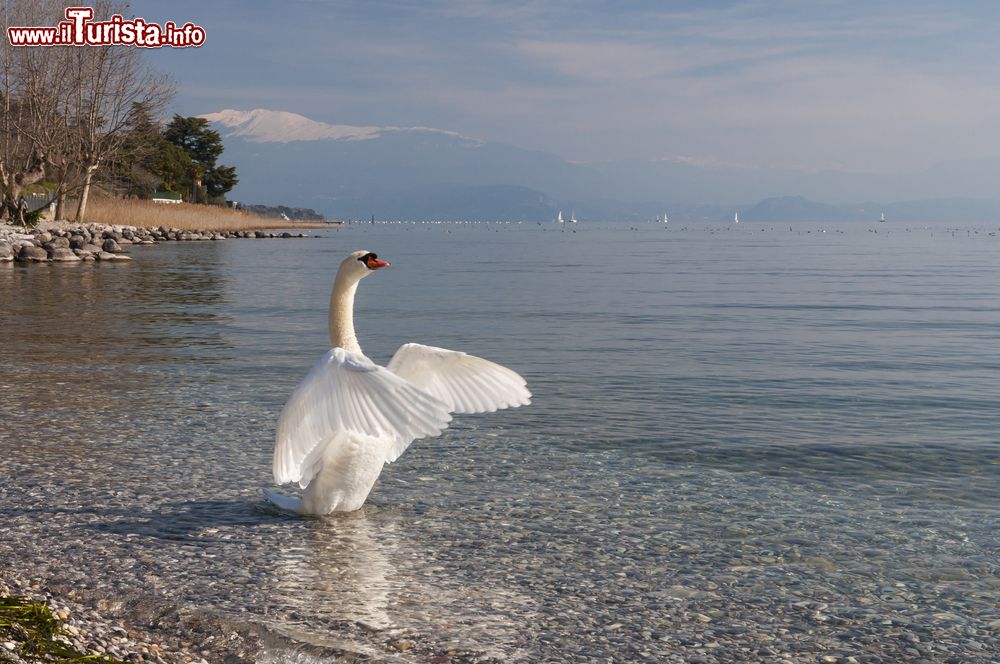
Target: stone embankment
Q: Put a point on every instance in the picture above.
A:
(97, 242)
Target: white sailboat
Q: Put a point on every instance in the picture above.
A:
(662, 219)
(736, 218)
(882, 218)
(559, 218)
(572, 217)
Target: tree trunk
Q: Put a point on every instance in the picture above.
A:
(15, 183)
(11, 210)
(8, 209)
(81, 209)
(60, 198)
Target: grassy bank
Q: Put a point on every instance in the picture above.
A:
(186, 216)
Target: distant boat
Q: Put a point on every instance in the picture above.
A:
(662, 219)
(736, 218)
(572, 217)
(559, 219)
(882, 218)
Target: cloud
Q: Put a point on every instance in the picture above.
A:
(776, 83)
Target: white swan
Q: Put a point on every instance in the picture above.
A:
(349, 416)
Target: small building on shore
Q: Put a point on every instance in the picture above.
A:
(167, 197)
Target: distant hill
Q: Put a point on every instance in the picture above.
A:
(454, 202)
(943, 209)
(796, 208)
(346, 171)
(694, 184)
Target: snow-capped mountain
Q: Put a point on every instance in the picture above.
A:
(351, 171)
(263, 126)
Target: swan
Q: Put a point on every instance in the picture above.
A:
(349, 416)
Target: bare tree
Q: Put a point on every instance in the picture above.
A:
(49, 81)
(66, 110)
(28, 79)
(113, 83)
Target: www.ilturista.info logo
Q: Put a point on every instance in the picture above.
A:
(79, 30)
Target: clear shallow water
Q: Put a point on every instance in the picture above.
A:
(745, 442)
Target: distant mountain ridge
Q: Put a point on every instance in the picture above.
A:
(347, 171)
(457, 202)
(355, 172)
(796, 208)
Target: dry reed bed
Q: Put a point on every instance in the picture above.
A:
(185, 216)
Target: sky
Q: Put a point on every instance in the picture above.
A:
(883, 87)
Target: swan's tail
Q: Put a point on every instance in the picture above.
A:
(286, 503)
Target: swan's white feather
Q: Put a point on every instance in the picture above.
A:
(465, 383)
(346, 393)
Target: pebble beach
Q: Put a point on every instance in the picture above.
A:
(90, 629)
(164, 639)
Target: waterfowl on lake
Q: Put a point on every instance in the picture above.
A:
(349, 416)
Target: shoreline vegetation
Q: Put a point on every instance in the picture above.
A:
(186, 216)
(77, 124)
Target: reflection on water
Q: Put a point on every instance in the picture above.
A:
(341, 569)
(729, 429)
(100, 311)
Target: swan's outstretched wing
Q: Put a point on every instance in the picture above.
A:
(466, 383)
(347, 392)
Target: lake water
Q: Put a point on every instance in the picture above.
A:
(747, 443)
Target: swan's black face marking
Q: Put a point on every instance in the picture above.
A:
(371, 261)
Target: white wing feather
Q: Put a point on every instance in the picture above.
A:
(347, 392)
(466, 383)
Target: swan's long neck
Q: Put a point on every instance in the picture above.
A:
(342, 314)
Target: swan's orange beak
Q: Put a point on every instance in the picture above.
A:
(374, 263)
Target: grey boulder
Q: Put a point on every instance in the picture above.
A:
(30, 252)
(63, 254)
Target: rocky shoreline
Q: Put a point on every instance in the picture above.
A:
(63, 242)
